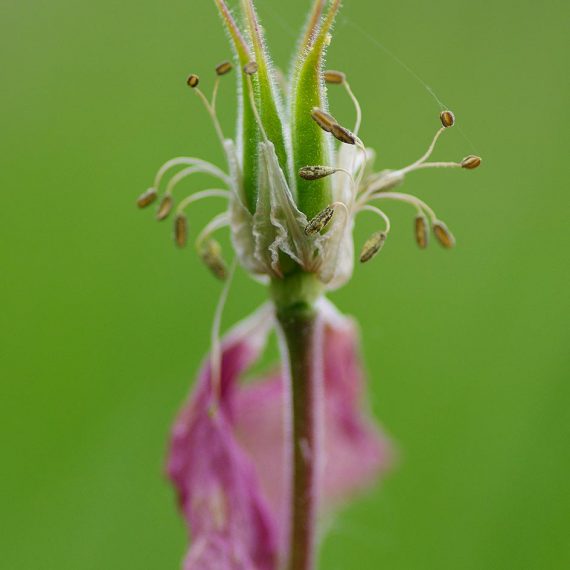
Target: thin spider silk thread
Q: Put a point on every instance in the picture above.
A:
(345, 21)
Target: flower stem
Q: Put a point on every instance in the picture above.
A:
(300, 326)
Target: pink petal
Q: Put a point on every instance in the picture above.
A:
(216, 481)
(355, 453)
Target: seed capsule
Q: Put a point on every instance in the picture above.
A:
(324, 120)
(316, 172)
(320, 221)
(180, 230)
(372, 246)
(164, 208)
(224, 67)
(447, 119)
(443, 235)
(471, 162)
(193, 81)
(422, 234)
(147, 198)
(211, 254)
(335, 77)
(250, 68)
(343, 135)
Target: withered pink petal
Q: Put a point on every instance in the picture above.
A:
(355, 451)
(229, 519)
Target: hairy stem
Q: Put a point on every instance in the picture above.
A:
(300, 327)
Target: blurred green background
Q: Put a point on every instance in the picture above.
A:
(104, 322)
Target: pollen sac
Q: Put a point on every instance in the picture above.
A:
(224, 68)
(147, 198)
(372, 246)
(180, 230)
(447, 119)
(324, 120)
(193, 81)
(316, 172)
(422, 233)
(211, 255)
(335, 77)
(343, 135)
(250, 68)
(320, 221)
(164, 208)
(443, 235)
(471, 162)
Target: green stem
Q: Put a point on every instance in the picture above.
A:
(294, 298)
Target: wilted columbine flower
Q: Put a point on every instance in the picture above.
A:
(254, 465)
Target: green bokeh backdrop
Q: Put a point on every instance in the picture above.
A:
(104, 322)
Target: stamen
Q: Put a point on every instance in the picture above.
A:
(216, 351)
(316, 172)
(324, 120)
(343, 135)
(180, 176)
(164, 208)
(471, 162)
(220, 221)
(180, 230)
(443, 235)
(447, 119)
(320, 221)
(191, 161)
(147, 198)
(407, 198)
(213, 193)
(211, 254)
(379, 213)
(356, 107)
(421, 227)
(427, 154)
(334, 77)
(224, 68)
(193, 81)
(250, 68)
(372, 246)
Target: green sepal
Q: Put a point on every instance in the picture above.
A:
(249, 134)
(310, 144)
(266, 93)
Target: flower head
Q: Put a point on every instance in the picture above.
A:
(295, 179)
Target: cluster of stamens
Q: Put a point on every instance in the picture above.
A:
(207, 247)
(365, 189)
(379, 186)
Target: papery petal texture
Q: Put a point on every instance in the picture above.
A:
(355, 451)
(219, 493)
(230, 467)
